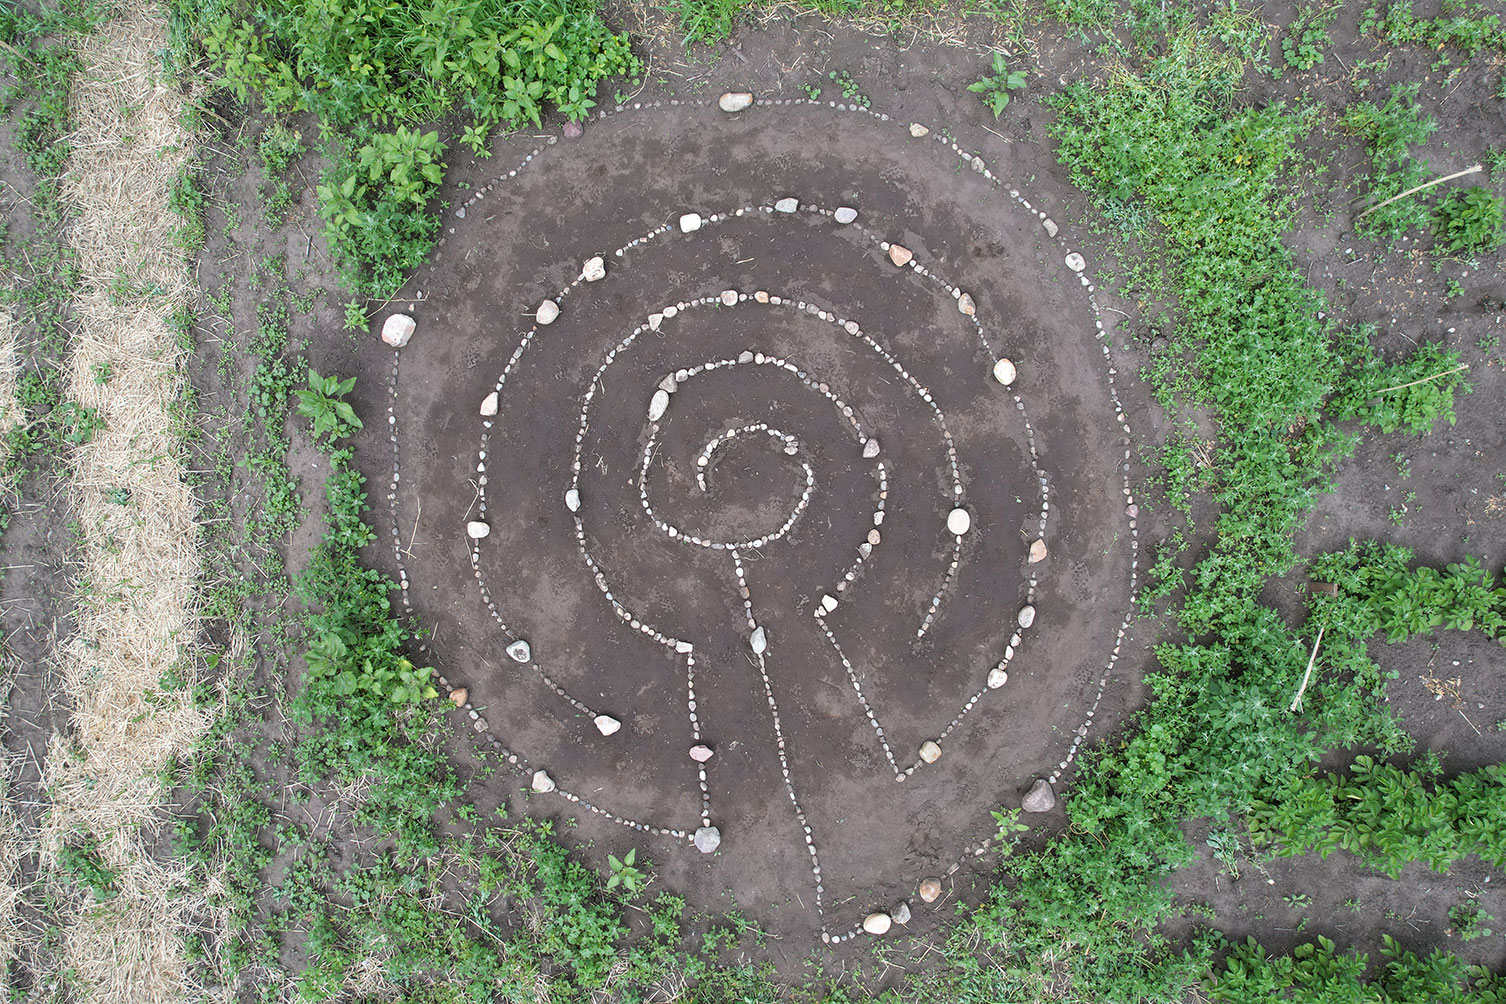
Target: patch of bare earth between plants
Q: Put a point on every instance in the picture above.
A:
(136, 564)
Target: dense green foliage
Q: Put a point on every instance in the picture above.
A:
(1317, 974)
(1463, 24)
(373, 73)
(1388, 816)
(1470, 222)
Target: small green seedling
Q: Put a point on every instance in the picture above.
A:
(995, 89)
(624, 873)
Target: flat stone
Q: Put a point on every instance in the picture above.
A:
(845, 215)
(489, 405)
(459, 696)
(574, 130)
(669, 384)
(759, 641)
(684, 647)
(606, 724)
(690, 223)
(1050, 226)
(654, 320)
(930, 751)
(700, 754)
(900, 255)
(547, 312)
(1132, 510)
(978, 165)
(761, 296)
(870, 449)
(997, 678)
(874, 538)
(520, 651)
(828, 602)
(1005, 372)
(930, 889)
(958, 521)
(594, 268)
(729, 297)
(745, 356)
(572, 500)
(1037, 552)
(735, 101)
(476, 529)
(658, 405)
(966, 305)
(708, 839)
(787, 205)
(917, 130)
(877, 923)
(398, 329)
(542, 782)
(1040, 797)
(1026, 616)
(901, 913)
(1075, 262)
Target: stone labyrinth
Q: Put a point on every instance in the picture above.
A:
(759, 472)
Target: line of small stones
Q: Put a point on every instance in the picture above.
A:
(979, 166)
(703, 460)
(509, 759)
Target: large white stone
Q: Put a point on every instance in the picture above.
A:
(1038, 552)
(729, 297)
(489, 405)
(1075, 262)
(997, 678)
(700, 754)
(594, 268)
(398, 329)
(966, 305)
(606, 724)
(658, 405)
(828, 602)
(787, 205)
(1005, 372)
(1026, 616)
(900, 255)
(758, 641)
(877, 923)
(1040, 797)
(547, 312)
(542, 782)
(520, 651)
(572, 500)
(690, 223)
(930, 751)
(708, 839)
(734, 101)
(845, 215)
(958, 521)
(917, 130)
(476, 529)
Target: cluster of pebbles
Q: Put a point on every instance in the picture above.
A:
(399, 329)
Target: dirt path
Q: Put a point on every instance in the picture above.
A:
(137, 560)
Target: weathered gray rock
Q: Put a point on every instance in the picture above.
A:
(1040, 797)
(930, 889)
(708, 839)
(997, 677)
(978, 165)
(1050, 226)
(574, 130)
(547, 312)
(398, 329)
(658, 405)
(1026, 616)
(845, 215)
(917, 130)
(735, 101)
(870, 449)
(788, 205)
(595, 268)
(901, 913)
(542, 782)
(669, 384)
(520, 651)
(1075, 262)
(758, 641)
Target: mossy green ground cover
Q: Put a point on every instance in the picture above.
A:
(1164, 142)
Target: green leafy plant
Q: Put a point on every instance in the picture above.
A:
(1470, 222)
(1304, 42)
(322, 402)
(994, 90)
(1007, 829)
(625, 874)
(81, 861)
